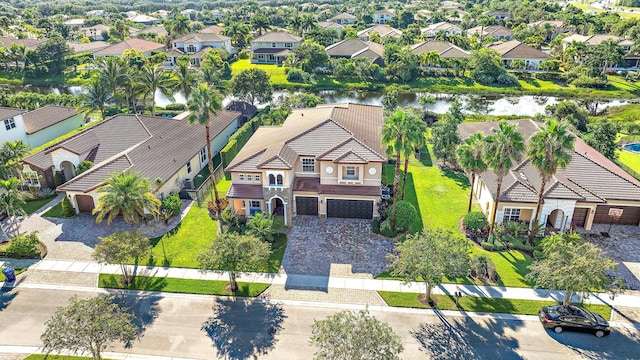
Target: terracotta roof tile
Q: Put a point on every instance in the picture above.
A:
(245, 191)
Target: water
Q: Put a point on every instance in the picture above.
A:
(525, 105)
(635, 147)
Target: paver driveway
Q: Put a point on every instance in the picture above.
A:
(315, 245)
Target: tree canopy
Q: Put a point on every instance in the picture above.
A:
(252, 85)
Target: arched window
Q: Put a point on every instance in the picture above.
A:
(272, 179)
(280, 179)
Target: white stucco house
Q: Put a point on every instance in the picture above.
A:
(39, 126)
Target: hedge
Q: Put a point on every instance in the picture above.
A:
(237, 140)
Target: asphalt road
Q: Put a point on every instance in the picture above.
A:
(205, 327)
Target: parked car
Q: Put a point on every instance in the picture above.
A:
(575, 318)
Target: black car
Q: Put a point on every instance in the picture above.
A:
(570, 317)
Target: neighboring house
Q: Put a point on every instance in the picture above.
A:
(273, 47)
(39, 126)
(450, 5)
(330, 25)
(383, 16)
(157, 30)
(595, 40)
(445, 49)
(195, 45)
(215, 29)
(325, 161)
(142, 19)
(96, 13)
(557, 27)
(515, 50)
(498, 14)
(432, 30)
(169, 152)
(91, 47)
(30, 44)
(382, 30)
(578, 196)
(190, 13)
(495, 31)
(147, 48)
(344, 19)
(97, 32)
(74, 23)
(247, 111)
(356, 48)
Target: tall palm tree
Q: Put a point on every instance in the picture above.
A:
(155, 78)
(238, 32)
(97, 96)
(471, 159)
(180, 26)
(128, 194)
(205, 101)
(296, 24)
(11, 153)
(430, 58)
(549, 150)
(504, 148)
(185, 77)
(260, 23)
(307, 23)
(393, 132)
(413, 139)
(11, 201)
(113, 72)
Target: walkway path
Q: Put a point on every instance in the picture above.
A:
(318, 283)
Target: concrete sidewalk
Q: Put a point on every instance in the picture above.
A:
(322, 282)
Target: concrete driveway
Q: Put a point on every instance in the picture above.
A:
(337, 247)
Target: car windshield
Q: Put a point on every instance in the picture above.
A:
(581, 312)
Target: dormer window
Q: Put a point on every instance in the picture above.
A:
(350, 173)
(308, 165)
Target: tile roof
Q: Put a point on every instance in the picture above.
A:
(329, 25)
(354, 48)
(278, 36)
(590, 176)
(28, 43)
(441, 26)
(274, 51)
(313, 184)
(554, 23)
(44, 117)
(91, 47)
(245, 191)
(514, 49)
(7, 112)
(314, 132)
(344, 16)
(213, 29)
(202, 37)
(493, 30)
(134, 43)
(155, 147)
(445, 49)
(382, 30)
(591, 40)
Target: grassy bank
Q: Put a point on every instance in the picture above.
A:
(479, 304)
(187, 286)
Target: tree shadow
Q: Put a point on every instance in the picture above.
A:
(458, 176)
(425, 157)
(412, 196)
(244, 328)
(621, 344)
(7, 294)
(141, 304)
(463, 338)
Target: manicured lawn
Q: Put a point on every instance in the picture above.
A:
(188, 286)
(630, 159)
(479, 304)
(277, 73)
(31, 206)
(587, 6)
(55, 212)
(441, 198)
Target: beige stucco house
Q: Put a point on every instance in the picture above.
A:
(325, 161)
(273, 47)
(578, 196)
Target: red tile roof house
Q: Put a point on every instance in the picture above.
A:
(324, 161)
(39, 126)
(169, 152)
(576, 197)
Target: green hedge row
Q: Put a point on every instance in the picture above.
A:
(237, 140)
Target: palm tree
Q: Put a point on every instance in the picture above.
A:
(296, 24)
(503, 148)
(17, 53)
(238, 33)
(307, 23)
(471, 159)
(205, 101)
(180, 26)
(430, 58)
(11, 153)
(152, 79)
(393, 132)
(413, 139)
(185, 77)
(128, 194)
(97, 96)
(113, 72)
(548, 150)
(11, 201)
(259, 23)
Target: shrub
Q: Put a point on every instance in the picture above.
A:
(550, 65)
(243, 54)
(375, 226)
(297, 75)
(171, 205)
(505, 79)
(590, 82)
(405, 214)
(386, 230)
(483, 269)
(176, 106)
(57, 178)
(67, 208)
(84, 166)
(475, 221)
(24, 246)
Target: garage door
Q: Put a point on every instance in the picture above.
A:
(85, 203)
(306, 205)
(579, 217)
(630, 215)
(358, 209)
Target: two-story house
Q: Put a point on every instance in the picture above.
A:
(195, 45)
(344, 19)
(497, 32)
(383, 16)
(169, 152)
(273, 47)
(449, 29)
(39, 126)
(324, 161)
(382, 30)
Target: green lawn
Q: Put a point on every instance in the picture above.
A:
(31, 206)
(630, 159)
(479, 304)
(277, 73)
(57, 357)
(188, 286)
(441, 198)
(55, 212)
(586, 6)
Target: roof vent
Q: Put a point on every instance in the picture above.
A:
(523, 176)
(149, 146)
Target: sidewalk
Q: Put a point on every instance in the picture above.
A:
(321, 282)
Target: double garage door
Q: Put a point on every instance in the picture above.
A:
(336, 208)
(630, 215)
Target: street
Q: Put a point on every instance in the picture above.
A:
(186, 326)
